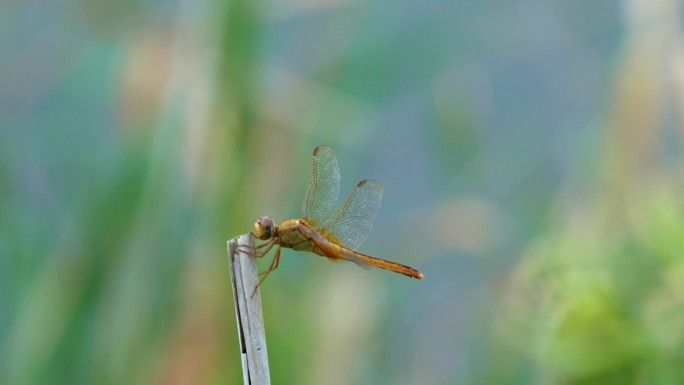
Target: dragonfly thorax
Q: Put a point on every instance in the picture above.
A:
(264, 228)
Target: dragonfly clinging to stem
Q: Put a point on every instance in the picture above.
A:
(336, 236)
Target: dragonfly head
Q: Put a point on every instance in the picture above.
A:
(264, 228)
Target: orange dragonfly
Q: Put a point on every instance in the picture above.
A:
(335, 237)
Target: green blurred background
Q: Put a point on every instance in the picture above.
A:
(531, 154)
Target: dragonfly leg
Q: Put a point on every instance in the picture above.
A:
(268, 246)
(271, 241)
(251, 251)
(273, 266)
(255, 252)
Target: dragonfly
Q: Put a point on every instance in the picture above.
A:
(335, 236)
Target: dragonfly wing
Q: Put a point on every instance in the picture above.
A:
(350, 225)
(324, 186)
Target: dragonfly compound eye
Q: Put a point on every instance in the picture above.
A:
(264, 227)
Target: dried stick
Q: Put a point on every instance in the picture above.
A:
(250, 321)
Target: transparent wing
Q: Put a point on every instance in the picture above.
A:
(324, 186)
(352, 223)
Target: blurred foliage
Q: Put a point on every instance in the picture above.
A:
(600, 300)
